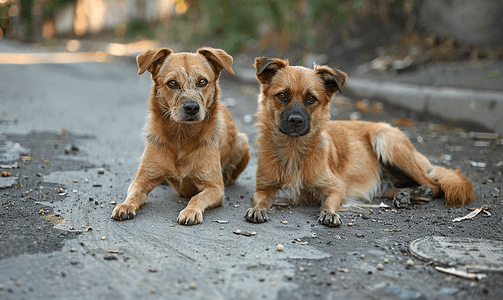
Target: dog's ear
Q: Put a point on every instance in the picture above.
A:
(219, 59)
(333, 79)
(152, 60)
(267, 68)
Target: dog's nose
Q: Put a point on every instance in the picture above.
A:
(295, 120)
(191, 107)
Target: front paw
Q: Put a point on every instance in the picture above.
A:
(123, 212)
(330, 219)
(256, 215)
(190, 216)
(401, 200)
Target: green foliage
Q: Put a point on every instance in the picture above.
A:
(493, 73)
(137, 28)
(5, 20)
(331, 8)
(51, 6)
(235, 23)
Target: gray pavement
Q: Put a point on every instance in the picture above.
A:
(102, 108)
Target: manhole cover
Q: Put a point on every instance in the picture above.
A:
(453, 251)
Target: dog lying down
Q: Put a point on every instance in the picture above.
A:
(191, 140)
(311, 157)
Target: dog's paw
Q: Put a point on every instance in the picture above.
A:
(256, 215)
(330, 219)
(123, 212)
(401, 200)
(190, 216)
(423, 192)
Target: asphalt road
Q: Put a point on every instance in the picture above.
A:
(74, 250)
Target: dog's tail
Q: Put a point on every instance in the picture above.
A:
(457, 189)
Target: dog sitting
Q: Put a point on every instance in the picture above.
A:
(304, 153)
(191, 140)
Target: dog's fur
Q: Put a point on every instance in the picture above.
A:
(303, 152)
(191, 140)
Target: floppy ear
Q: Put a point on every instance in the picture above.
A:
(219, 59)
(152, 60)
(332, 79)
(267, 68)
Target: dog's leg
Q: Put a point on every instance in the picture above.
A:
(262, 200)
(403, 197)
(393, 147)
(210, 196)
(239, 159)
(209, 182)
(328, 215)
(144, 182)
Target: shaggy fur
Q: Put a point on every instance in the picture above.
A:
(191, 140)
(303, 152)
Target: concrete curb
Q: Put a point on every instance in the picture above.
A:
(456, 104)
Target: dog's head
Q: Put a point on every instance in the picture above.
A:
(296, 99)
(186, 84)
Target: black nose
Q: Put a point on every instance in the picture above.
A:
(191, 107)
(295, 120)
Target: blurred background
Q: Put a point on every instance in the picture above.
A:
(354, 35)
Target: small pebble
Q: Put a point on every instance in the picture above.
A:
(61, 190)
(386, 260)
(301, 269)
(75, 181)
(103, 238)
(193, 286)
(72, 249)
(365, 216)
(253, 233)
(237, 231)
(410, 262)
(350, 224)
(280, 248)
(248, 118)
(284, 222)
(112, 202)
(101, 171)
(380, 267)
(362, 256)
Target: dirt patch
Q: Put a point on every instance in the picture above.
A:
(26, 224)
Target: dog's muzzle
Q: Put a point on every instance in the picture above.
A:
(190, 109)
(294, 121)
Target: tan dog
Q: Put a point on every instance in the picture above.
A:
(303, 152)
(191, 140)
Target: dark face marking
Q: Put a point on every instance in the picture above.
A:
(295, 121)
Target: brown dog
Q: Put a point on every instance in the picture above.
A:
(191, 140)
(303, 152)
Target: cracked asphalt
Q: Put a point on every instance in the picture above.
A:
(82, 125)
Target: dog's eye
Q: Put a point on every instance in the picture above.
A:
(202, 82)
(281, 97)
(311, 100)
(173, 85)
